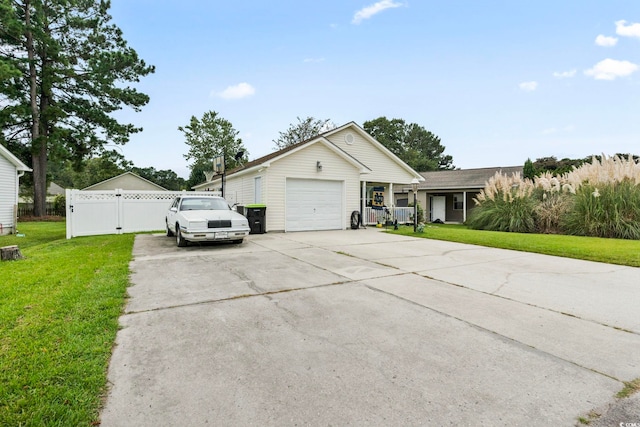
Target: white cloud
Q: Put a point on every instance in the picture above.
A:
(369, 11)
(610, 69)
(565, 74)
(313, 60)
(606, 41)
(528, 86)
(241, 90)
(550, 131)
(631, 30)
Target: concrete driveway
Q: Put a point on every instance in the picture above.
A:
(366, 328)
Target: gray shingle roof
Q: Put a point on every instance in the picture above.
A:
(462, 178)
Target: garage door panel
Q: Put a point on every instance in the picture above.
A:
(314, 205)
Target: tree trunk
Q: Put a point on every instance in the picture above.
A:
(10, 253)
(39, 160)
(38, 145)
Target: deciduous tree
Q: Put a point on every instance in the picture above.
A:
(209, 137)
(416, 146)
(302, 131)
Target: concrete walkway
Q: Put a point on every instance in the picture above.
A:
(363, 327)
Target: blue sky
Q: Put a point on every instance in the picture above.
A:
(497, 81)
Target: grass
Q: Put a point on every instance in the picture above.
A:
(630, 388)
(612, 251)
(59, 312)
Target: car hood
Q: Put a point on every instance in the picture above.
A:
(211, 215)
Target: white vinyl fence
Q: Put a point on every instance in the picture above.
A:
(91, 213)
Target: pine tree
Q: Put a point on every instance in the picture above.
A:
(66, 67)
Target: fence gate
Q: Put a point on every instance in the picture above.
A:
(91, 213)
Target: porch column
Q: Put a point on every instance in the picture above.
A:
(363, 202)
(392, 197)
(464, 206)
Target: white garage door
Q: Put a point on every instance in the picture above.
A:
(314, 205)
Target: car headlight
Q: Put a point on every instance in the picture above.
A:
(240, 223)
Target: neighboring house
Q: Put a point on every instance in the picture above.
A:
(125, 181)
(448, 195)
(11, 169)
(54, 190)
(318, 183)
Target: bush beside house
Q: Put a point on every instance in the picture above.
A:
(600, 199)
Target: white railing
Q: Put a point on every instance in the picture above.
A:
(374, 216)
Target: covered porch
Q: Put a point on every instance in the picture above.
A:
(379, 205)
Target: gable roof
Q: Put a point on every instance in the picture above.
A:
(125, 174)
(377, 144)
(462, 178)
(265, 161)
(4, 151)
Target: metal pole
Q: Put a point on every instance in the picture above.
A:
(415, 212)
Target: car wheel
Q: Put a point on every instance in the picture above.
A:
(169, 232)
(179, 239)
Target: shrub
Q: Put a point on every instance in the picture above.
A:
(606, 210)
(600, 199)
(60, 204)
(550, 212)
(505, 204)
(420, 212)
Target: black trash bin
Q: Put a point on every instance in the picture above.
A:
(257, 216)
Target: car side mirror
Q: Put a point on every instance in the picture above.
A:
(174, 209)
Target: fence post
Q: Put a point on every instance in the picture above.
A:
(68, 194)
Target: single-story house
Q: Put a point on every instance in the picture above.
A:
(54, 190)
(125, 181)
(317, 184)
(11, 169)
(448, 195)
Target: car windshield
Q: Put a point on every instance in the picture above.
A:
(203, 203)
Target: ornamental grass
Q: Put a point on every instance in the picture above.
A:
(600, 199)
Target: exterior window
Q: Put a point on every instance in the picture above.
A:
(257, 195)
(458, 202)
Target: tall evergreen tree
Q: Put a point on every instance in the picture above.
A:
(529, 171)
(65, 69)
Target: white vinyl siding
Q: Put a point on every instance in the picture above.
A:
(303, 165)
(8, 194)
(383, 168)
(242, 190)
(313, 204)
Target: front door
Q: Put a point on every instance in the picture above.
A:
(438, 208)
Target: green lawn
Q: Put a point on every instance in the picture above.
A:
(613, 251)
(59, 312)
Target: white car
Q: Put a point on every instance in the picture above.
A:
(205, 218)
